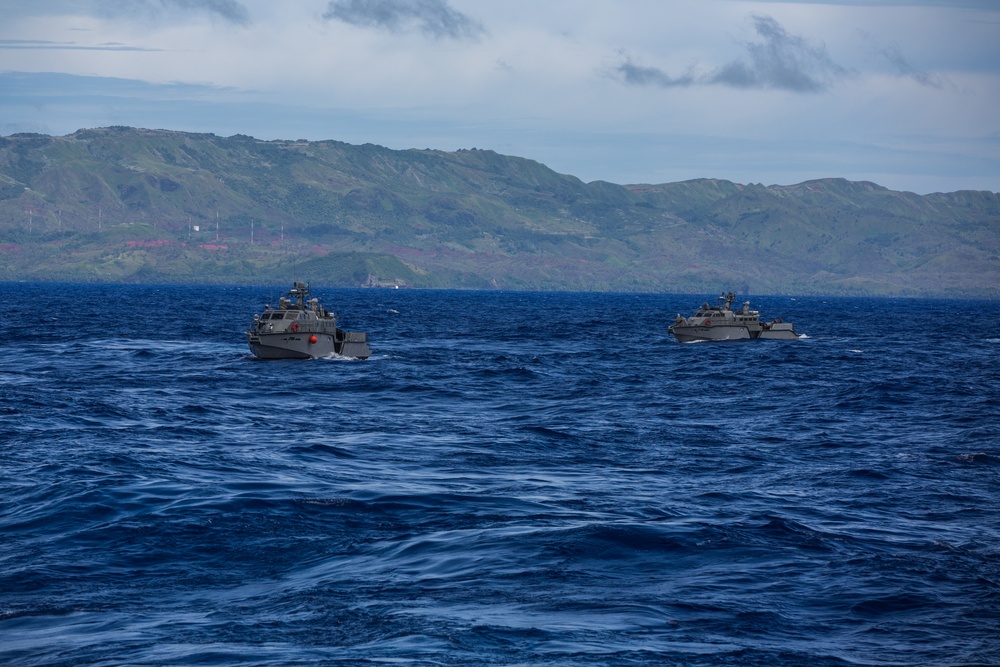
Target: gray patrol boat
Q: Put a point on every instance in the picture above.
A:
(300, 328)
(723, 323)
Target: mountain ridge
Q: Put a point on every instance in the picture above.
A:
(136, 205)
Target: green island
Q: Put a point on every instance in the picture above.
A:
(121, 204)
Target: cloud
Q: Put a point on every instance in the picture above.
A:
(651, 76)
(432, 17)
(231, 11)
(780, 61)
(894, 55)
(24, 44)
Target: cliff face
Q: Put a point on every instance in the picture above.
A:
(123, 204)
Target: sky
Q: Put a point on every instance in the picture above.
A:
(904, 93)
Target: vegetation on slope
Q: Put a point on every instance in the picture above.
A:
(123, 204)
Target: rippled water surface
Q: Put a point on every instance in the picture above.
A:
(510, 479)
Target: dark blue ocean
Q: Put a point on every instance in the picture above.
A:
(511, 479)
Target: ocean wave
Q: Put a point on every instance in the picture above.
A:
(570, 490)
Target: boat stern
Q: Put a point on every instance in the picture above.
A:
(779, 331)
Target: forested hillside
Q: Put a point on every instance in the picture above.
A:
(132, 205)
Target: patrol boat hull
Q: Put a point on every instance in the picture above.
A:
(298, 346)
(300, 328)
(689, 334)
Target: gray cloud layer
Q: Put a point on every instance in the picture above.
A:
(431, 17)
(25, 44)
(894, 55)
(232, 11)
(652, 76)
(781, 61)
